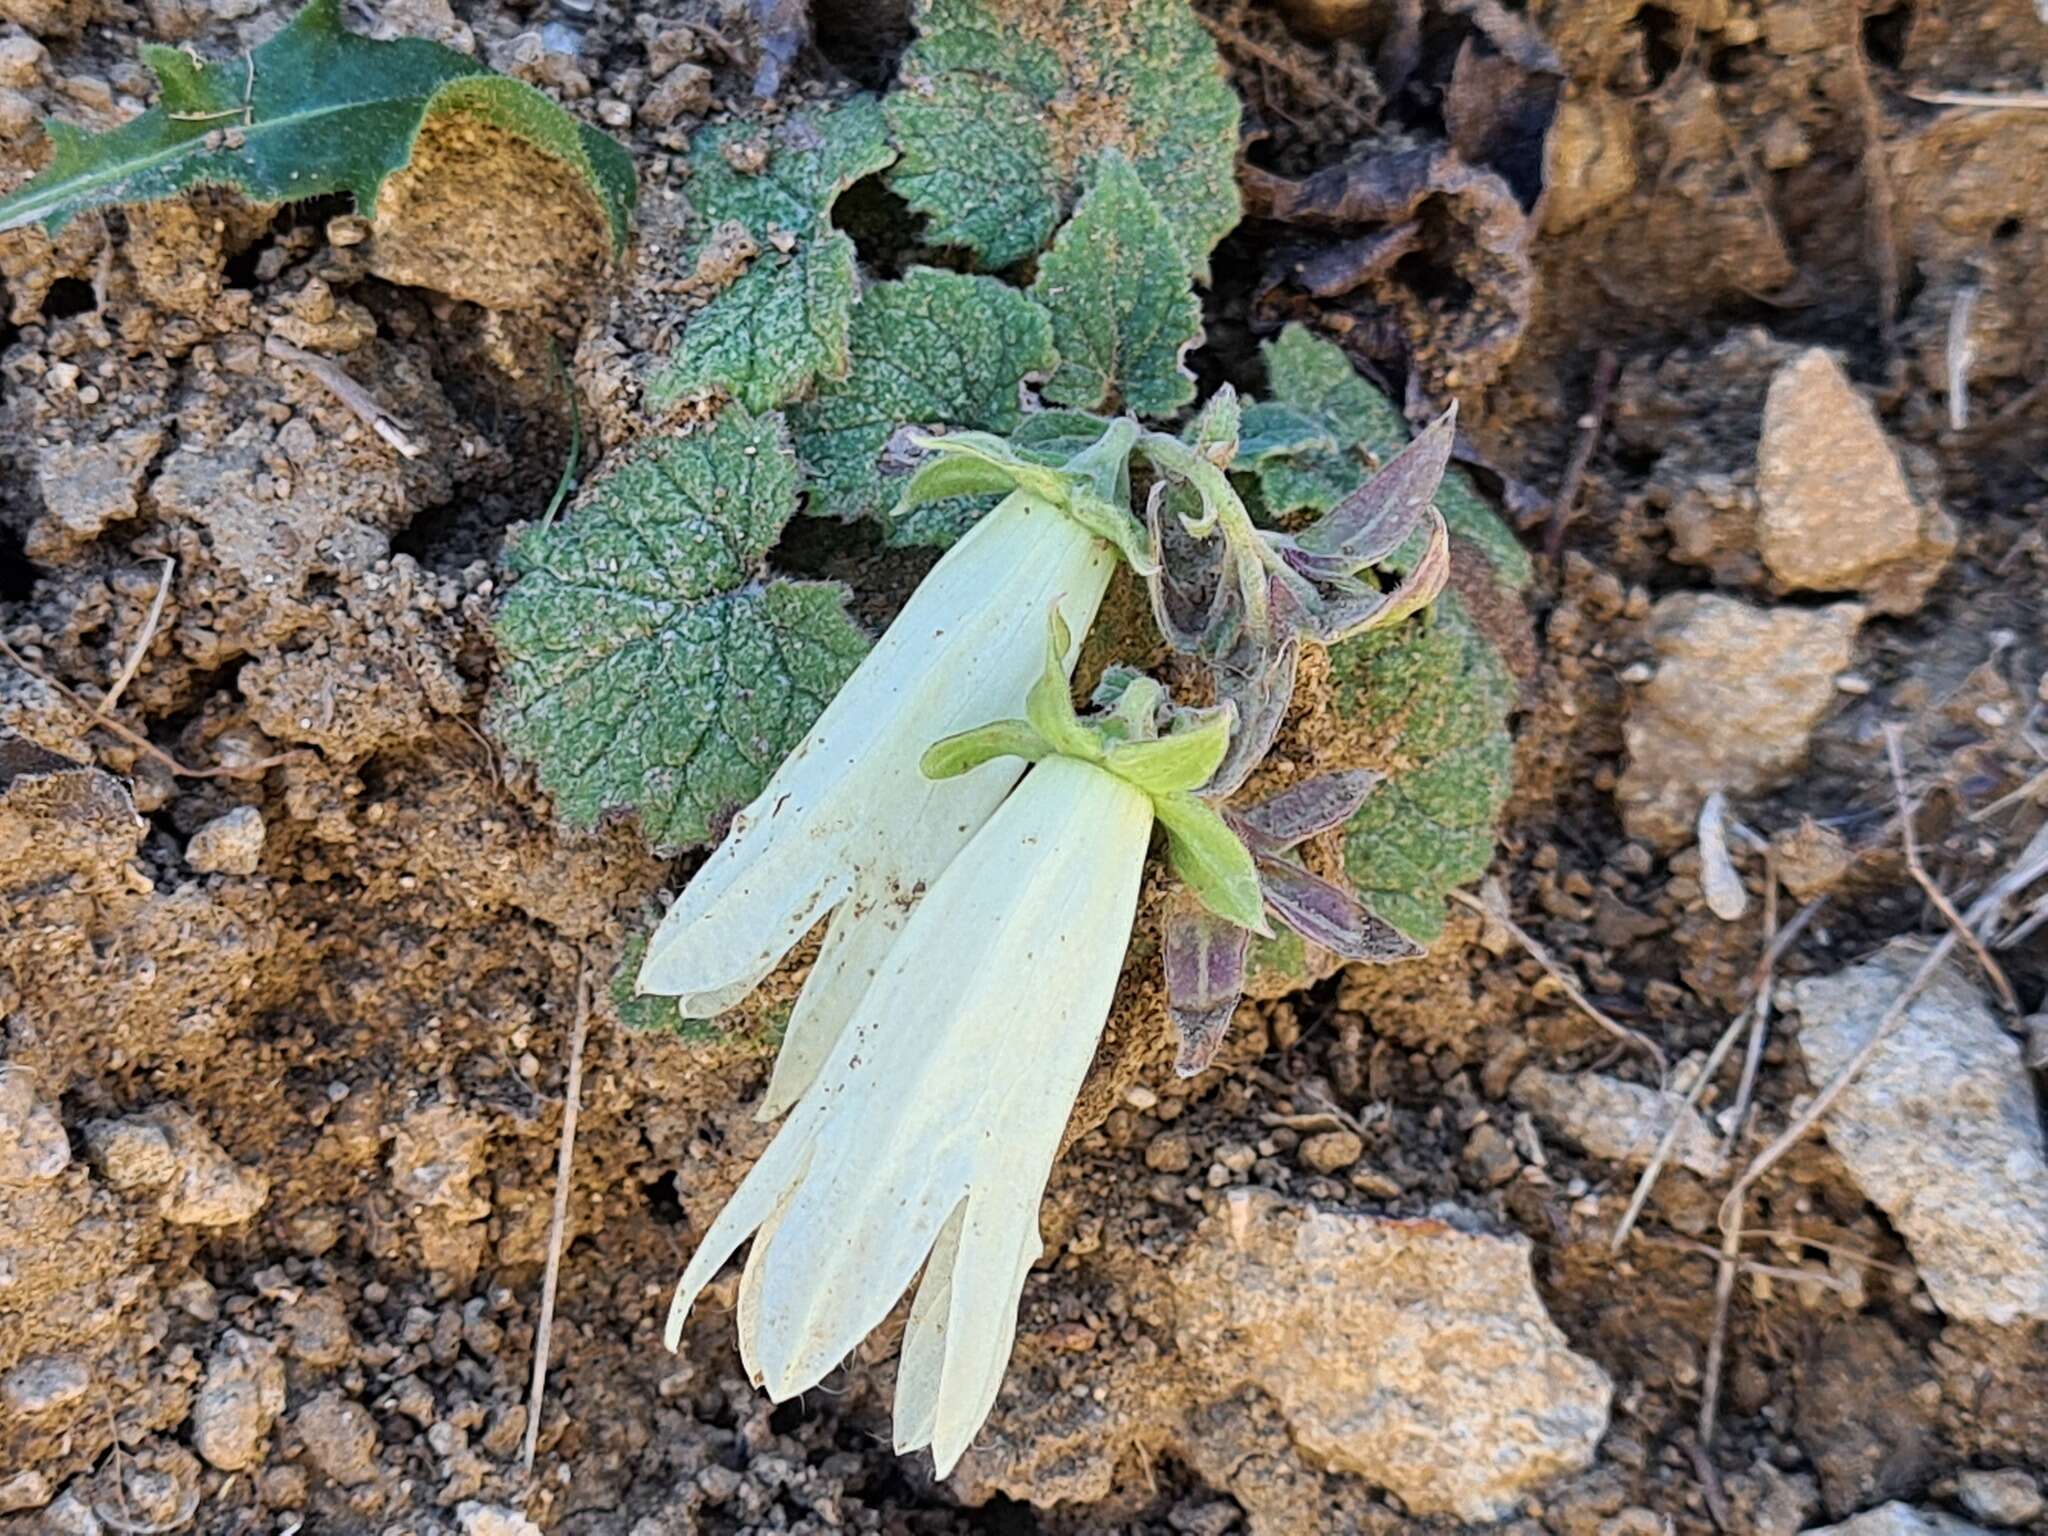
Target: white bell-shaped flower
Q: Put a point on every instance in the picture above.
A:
(933, 1123)
(931, 1127)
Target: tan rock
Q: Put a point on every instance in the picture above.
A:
(1736, 695)
(242, 1396)
(84, 488)
(340, 1437)
(1410, 1353)
(1835, 513)
(1589, 159)
(228, 845)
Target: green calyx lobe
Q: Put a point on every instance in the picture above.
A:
(1165, 753)
(1091, 486)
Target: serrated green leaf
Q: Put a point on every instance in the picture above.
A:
(935, 349)
(1314, 378)
(1002, 105)
(782, 322)
(1269, 430)
(313, 111)
(648, 665)
(1440, 697)
(1124, 312)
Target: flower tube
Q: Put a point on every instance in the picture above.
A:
(848, 825)
(933, 1122)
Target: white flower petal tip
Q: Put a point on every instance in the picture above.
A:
(849, 818)
(913, 1146)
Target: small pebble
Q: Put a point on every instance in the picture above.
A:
(228, 845)
(2008, 1496)
(1331, 1151)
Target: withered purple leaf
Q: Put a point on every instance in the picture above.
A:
(1328, 915)
(1205, 960)
(1303, 809)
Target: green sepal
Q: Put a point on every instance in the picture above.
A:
(952, 756)
(998, 467)
(1208, 856)
(1049, 705)
(1183, 760)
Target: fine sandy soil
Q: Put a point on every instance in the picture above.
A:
(282, 1091)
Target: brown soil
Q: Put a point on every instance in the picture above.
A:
(346, 1049)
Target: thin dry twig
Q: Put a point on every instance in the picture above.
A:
(1236, 40)
(1760, 979)
(572, 1096)
(1730, 1255)
(2005, 101)
(1962, 354)
(347, 391)
(150, 621)
(1569, 987)
(1787, 1272)
(1877, 186)
(142, 743)
(1853, 1255)
(1992, 971)
(1759, 1017)
(1605, 367)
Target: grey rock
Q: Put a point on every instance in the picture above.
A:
(1411, 1353)
(1898, 1519)
(2009, 1496)
(44, 1383)
(1621, 1122)
(1737, 692)
(1835, 513)
(238, 1402)
(1940, 1131)
(228, 845)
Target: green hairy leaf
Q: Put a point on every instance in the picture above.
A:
(1124, 312)
(936, 349)
(1314, 381)
(1001, 105)
(648, 665)
(1438, 697)
(315, 110)
(783, 321)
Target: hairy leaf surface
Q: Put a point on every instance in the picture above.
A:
(1002, 104)
(1124, 312)
(934, 350)
(649, 664)
(782, 322)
